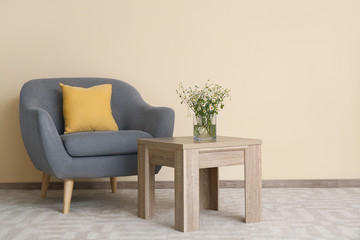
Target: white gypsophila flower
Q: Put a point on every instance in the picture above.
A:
(197, 98)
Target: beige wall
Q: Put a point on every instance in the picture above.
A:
(293, 68)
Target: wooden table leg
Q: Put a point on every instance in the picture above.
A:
(146, 184)
(186, 191)
(253, 184)
(209, 188)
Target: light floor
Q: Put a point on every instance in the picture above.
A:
(99, 214)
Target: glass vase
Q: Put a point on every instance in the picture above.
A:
(204, 127)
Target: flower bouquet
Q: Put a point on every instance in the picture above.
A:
(205, 103)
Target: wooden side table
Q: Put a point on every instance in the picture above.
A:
(194, 163)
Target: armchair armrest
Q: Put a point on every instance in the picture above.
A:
(158, 121)
(42, 141)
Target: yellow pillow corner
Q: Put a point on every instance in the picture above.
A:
(88, 109)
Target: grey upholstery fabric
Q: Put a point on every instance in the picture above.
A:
(86, 144)
(42, 123)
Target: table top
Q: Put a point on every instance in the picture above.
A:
(190, 143)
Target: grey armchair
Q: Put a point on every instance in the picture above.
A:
(86, 154)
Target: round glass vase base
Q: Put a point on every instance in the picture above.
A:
(210, 138)
(204, 133)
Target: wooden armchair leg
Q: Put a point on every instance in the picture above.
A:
(45, 185)
(68, 188)
(113, 184)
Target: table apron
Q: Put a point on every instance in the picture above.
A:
(207, 157)
(221, 157)
(162, 157)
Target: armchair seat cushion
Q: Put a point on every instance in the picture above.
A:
(87, 144)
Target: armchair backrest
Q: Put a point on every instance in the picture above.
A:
(47, 94)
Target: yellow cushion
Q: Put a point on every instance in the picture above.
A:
(88, 109)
